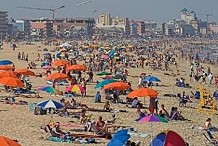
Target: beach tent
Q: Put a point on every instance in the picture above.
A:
(168, 138)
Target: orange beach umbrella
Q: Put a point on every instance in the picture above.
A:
(117, 85)
(4, 141)
(60, 62)
(7, 74)
(25, 72)
(12, 82)
(77, 67)
(57, 76)
(6, 67)
(143, 92)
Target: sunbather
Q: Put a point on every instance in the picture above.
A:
(56, 131)
(175, 114)
(208, 126)
(83, 117)
(107, 106)
(163, 112)
(140, 113)
(100, 125)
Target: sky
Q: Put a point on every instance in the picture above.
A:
(157, 10)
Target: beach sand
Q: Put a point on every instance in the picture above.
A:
(17, 122)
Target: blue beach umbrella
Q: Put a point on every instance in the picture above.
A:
(119, 138)
(47, 89)
(105, 82)
(50, 104)
(151, 79)
(5, 62)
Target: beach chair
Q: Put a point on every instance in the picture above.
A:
(210, 139)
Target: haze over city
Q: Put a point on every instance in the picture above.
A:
(158, 10)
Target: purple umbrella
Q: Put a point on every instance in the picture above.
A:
(150, 118)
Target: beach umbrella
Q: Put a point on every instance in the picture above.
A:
(5, 62)
(117, 86)
(77, 67)
(151, 79)
(118, 76)
(6, 67)
(7, 74)
(12, 82)
(47, 89)
(60, 62)
(62, 55)
(119, 138)
(104, 73)
(47, 67)
(152, 117)
(4, 141)
(168, 138)
(25, 72)
(65, 45)
(143, 92)
(57, 76)
(104, 57)
(107, 77)
(75, 88)
(50, 104)
(105, 82)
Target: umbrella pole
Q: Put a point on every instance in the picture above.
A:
(151, 132)
(144, 100)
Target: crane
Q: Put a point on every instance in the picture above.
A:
(52, 10)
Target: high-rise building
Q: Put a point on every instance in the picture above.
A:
(137, 27)
(106, 21)
(69, 27)
(188, 16)
(3, 23)
(41, 28)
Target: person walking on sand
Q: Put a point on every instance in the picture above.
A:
(27, 58)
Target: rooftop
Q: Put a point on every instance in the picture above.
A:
(184, 10)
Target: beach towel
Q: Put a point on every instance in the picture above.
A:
(71, 125)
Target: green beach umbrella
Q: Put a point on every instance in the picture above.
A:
(104, 73)
(105, 82)
(164, 120)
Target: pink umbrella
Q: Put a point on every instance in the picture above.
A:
(104, 57)
(150, 118)
(47, 67)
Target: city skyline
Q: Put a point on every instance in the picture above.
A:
(157, 10)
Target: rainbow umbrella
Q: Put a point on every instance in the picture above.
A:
(152, 118)
(75, 88)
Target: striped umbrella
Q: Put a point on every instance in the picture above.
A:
(50, 104)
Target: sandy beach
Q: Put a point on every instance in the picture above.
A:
(17, 122)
